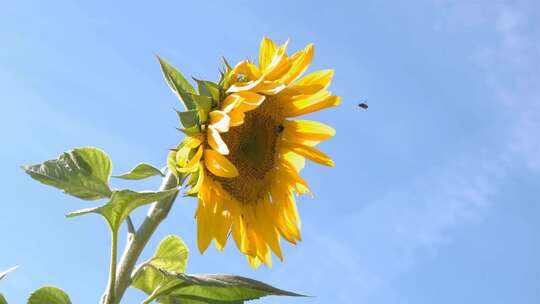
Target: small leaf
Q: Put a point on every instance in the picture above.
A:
(3, 274)
(177, 82)
(49, 295)
(2, 299)
(189, 118)
(171, 255)
(212, 288)
(141, 171)
(82, 172)
(121, 204)
(204, 105)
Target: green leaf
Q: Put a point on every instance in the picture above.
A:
(171, 254)
(189, 118)
(177, 82)
(3, 274)
(210, 288)
(49, 295)
(82, 172)
(2, 299)
(141, 171)
(121, 204)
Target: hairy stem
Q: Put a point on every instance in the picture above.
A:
(109, 295)
(156, 214)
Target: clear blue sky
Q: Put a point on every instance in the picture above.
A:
(435, 193)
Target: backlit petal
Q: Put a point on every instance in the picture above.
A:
(218, 164)
(216, 142)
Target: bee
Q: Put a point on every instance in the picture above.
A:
(363, 105)
(280, 128)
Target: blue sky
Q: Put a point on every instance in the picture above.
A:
(435, 193)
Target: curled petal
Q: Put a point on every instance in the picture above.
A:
(218, 164)
(220, 120)
(216, 142)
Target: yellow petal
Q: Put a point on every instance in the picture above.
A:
(312, 153)
(220, 121)
(312, 83)
(295, 130)
(204, 227)
(279, 65)
(269, 87)
(222, 226)
(309, 104)
(193, 163)
(218, 164)
(230, 102)
(237, 117)
(290, 176)
(269, 231)
(244, 86)
(250, 100)
(247, 69)
(216, 142)
(300, 63)
(266, 53)
(296, 161)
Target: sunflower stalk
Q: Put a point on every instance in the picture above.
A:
(156, 214)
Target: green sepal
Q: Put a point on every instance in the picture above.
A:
(49, 295)
(189, 118)
(204, 105)
(190, 131)
(122, 202)
(141, 171)
(208, 88)
(177, 82)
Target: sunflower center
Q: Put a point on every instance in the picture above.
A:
(252, 147)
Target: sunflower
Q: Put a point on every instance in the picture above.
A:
(243, 153)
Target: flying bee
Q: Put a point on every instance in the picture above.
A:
(363, 105)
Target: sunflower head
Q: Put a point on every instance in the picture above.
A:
(243, 152)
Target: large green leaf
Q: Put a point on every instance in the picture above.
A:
(121, 204)
(171, 254)
(3, 274)
(141, 171)
(49, 295)
(82, 172)
(212, 288)
(177, 82)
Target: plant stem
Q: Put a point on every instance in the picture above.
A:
(109, 296)
(156, 214)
